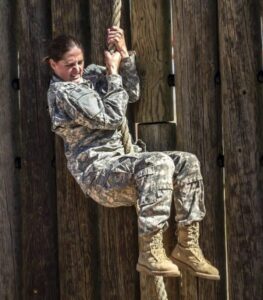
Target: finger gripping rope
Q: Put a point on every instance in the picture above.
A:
(128, 148)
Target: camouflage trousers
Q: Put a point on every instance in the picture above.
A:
(151, 181)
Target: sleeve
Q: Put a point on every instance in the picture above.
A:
(87, 108)
(131, 81)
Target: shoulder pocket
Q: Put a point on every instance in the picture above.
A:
(86, 100)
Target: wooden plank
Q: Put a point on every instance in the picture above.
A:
(151, 36)
(198, 126)
(77, 215)
(10, 254)
(240, 61)
(117, 227)
(160, 137)
(39, 262)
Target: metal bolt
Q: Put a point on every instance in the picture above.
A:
(171, 79)
(217, 78)
(15, 84)
(220, 160)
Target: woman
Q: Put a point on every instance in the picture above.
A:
(87, 107)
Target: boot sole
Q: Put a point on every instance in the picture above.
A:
(186, 267)
(144, 269)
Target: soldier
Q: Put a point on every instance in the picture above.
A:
(87, 107)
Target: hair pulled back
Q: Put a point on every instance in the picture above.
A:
(60, 45)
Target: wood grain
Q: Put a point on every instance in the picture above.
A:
(240, 61)
(38, 185)
(151, 39)
(195, 36)
(10, 230)
(77, 215)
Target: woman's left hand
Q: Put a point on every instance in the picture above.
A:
(115, 36)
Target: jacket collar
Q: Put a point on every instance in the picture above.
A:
(56, 78)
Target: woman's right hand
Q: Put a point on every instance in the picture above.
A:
(112, 62)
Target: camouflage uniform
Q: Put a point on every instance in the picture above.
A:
(87, 116)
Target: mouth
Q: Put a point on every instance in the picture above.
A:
(75, 78)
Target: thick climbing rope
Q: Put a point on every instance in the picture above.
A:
(124, 128)
(128, 148)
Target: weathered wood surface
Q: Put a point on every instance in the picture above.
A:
(117, 227)
(77, 215)
(151, 39)
(10, 242)
(160, 137)
(198, 126)
(38, 185)
(98, 247)
(240, 61)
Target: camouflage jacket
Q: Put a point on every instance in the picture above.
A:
(87, 115)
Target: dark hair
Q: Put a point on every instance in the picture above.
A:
(60, 45)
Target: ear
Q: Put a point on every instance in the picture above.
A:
(52, 64)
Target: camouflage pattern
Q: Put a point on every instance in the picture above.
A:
(87, 116)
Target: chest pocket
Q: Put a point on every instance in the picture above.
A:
(86, 100)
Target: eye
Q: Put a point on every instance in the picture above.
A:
(70, 65)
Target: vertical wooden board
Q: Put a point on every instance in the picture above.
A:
(151, 38)
(77, 236)
(118, 253)
(240, 60)
(77, 215)
(10, 254)
(117, 227)
(160, 137)
(39, 247)
(72, 18)
(199, 126)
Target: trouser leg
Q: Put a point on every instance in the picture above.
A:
(151, 173)
(154, 179)
(190, 209)
(188, 188)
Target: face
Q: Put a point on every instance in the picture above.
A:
(70, 67)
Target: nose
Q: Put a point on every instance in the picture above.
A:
(76, 68)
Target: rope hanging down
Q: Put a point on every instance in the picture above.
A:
(128, 147)
(126, 137)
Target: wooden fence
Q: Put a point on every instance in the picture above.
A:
(57, 244)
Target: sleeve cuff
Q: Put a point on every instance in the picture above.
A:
(128, 62)
(114, 81)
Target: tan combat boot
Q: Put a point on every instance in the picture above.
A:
(152, 258)
(188, 255)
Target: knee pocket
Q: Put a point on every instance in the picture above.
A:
(157, 163)
(162, 196)
(152, 190)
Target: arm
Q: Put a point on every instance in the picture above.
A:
(131, 83)
(85, 106)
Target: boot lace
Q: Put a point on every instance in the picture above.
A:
(157, 247)
(193, 235)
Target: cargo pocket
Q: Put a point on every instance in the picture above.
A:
(146, 186)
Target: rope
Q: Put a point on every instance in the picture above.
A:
(124, 128)
(160, 288)
(126, 137)
(128, 147)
